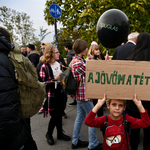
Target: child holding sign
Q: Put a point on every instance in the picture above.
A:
(116, 136)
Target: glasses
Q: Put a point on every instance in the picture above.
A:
(43, 48)
(56, 52)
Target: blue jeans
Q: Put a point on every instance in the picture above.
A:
(84, 108)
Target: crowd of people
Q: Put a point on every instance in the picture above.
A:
(121, 128)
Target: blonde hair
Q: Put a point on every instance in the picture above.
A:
(91, 50)
(49, 53)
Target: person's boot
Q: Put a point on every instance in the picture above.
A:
(50, 139)
(62, 136)
(49, 133)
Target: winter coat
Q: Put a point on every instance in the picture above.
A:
(12, 129)
(34, 57)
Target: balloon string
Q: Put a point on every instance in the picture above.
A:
(106, 54)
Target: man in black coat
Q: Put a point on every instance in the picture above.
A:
(34, 55)
(13, 130)
(122, 52)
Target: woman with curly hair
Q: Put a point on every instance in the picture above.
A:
(50, 73)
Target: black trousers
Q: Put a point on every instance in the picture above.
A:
(135, 133)
(56, 115)
(55, 121)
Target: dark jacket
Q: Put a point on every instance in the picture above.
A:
(122, 52)
(38, 67)
(62, 62)
(70, 55)
(34, 57)
(12, 128)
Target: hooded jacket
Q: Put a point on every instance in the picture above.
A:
(12, 128)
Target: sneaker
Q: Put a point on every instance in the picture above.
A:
(64, 116)
(41, 111)
(80, 144)
(73, 104)
(98, 147)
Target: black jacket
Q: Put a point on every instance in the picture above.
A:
(38, 67)
(122, 52)
(12, 128)
(34, 57)
(70, 55)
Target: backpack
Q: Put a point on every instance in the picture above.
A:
(69, 84)
(125, 123)
(31, 92)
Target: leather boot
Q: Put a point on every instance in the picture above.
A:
(62, 136)
(50, 139)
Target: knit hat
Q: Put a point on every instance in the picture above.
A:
(94, 43)
(31, 46)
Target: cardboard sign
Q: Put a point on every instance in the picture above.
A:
(118, 79)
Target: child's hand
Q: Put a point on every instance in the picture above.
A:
(99, 104)
(89, 56)
(138, 103)
(102, 101)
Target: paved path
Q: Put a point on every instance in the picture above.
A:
(39, 128)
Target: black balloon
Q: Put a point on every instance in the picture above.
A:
(112, 28)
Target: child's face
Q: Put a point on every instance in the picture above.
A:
(116, 108)
(96, 52)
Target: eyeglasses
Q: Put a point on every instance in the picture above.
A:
(43, 48)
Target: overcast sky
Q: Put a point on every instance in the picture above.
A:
(34, 9)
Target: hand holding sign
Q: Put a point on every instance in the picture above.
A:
(112, 28)
(138, 103)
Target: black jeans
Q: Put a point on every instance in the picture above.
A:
(56, 115)
(135, 133)
(55, 121)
